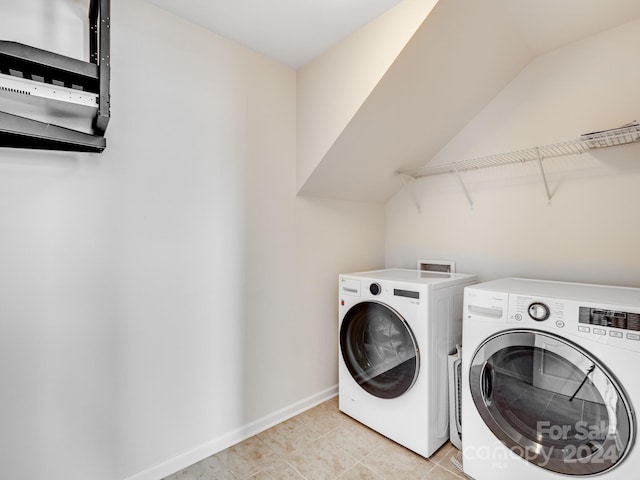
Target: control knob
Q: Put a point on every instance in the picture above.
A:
(539, 311)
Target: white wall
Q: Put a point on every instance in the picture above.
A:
(56, 25)
(589, 232)
(171, 295)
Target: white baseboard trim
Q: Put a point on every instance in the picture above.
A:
(216, 445)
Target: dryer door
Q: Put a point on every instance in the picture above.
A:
(379, 349)
(551, 402)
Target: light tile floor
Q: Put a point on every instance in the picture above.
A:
(320, 444)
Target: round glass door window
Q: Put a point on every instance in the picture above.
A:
(379, 349)
(551, 402)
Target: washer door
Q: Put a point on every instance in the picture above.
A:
(551, 402)
(379, 349)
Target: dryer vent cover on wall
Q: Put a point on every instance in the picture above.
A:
(54, 102)
(445, 266)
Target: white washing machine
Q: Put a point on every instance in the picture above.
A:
(550, 380)
(397, 328)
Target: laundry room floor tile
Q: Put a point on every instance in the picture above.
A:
(355, 439)
(439, 473)
(394, 461)
(323, 418)
(289, 436)
(280, 471)
(321, 460)
(360, 472)
(248, 458)
(208, 468)
(322, 444)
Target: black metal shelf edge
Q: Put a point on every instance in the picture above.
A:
(21, 132)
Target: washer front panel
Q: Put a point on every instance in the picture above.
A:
(551, 402)
(379, 349)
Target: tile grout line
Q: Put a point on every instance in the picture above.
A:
(359, 462)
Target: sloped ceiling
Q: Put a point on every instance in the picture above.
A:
(461, 57)
(332, 88)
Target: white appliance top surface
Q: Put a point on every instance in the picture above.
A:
(414, 276)
(564, 290)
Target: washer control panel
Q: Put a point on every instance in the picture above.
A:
(604, 314)
(596, 322)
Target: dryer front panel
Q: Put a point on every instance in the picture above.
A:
(379, 349)
(551, 402)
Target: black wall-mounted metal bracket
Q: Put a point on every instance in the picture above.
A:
(40, 91)
(100, 55)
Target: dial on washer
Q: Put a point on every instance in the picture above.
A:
(539, 311)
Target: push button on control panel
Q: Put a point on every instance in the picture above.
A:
(584, 329)
(633, 336)
(615, 334)
(560, 324)
(599, 331)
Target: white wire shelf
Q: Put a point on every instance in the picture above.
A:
(608, 138)
(628, 133)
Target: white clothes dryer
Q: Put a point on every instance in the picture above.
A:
(397, 328)
(550, 384)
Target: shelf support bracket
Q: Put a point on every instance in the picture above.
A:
(407, 181)
(544, 177)
(464, 187)
(100, 55)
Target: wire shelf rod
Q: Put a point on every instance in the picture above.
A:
(629, 133)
